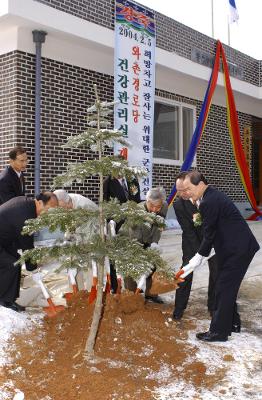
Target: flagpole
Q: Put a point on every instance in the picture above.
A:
(228, 32)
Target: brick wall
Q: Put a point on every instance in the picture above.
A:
(66, 93)
(8, 105)
(171, 35)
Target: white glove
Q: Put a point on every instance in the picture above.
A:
(155, 246)
(187, 270)
(196, 261)
(193, 263)
(112, 228)
(142, 283)
(211, 254)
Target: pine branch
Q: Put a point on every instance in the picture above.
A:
(106, 166)
(92, 135)
(133, 214)
(59, 218)
(129, 256)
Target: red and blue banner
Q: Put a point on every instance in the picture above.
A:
(233, 127)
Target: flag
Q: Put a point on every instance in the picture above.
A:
(233, 13)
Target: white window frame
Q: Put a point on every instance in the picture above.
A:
(170, 102)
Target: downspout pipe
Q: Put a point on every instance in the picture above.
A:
(38, 39)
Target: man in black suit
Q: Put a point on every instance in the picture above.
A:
(192, 235)
(12, 182)
(123, 190)
(13, 215)
(235, 245)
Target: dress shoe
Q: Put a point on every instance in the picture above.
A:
(12, 305)
(177, 315)
(236, 328)
(212, 337)
(154, 299)
(18, 306)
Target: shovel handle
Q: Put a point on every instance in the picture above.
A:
(112, 227)
(72, 274)
(43, 288)
(94, 268)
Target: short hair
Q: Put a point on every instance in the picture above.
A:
(182, 175)
(62, 195)
(16, 151)
(156, 194)
(196, 177)
(45, 197)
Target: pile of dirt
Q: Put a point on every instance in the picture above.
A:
(138, 349)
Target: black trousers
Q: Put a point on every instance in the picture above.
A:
(228, 283)
(113, 275)
(183, 293)
(10, 276)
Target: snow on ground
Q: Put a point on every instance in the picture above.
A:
(12, 323)
(241, 355)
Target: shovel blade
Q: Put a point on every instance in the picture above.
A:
(92, 295)
(52, 310)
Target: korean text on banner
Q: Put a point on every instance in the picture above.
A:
(135, 83)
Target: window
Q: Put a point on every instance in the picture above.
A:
(173, 129)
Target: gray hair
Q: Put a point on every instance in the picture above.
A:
(62, 195)
(156, 194)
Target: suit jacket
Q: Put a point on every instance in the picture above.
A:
(113, 189)
(13, 215)
(225, 229)
(10, 185)
(148, 234)
(191, 235)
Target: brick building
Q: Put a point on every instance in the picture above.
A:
(78, 51)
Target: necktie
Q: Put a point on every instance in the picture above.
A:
(21, 182)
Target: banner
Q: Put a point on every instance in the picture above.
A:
(134, 84)
(233, 127)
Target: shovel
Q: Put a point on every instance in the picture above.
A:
(119, 283)
(93, 291)
(72, 272)
(108, 281)
(52, 309)
(141, 286)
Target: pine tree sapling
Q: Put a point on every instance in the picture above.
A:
(128, 255)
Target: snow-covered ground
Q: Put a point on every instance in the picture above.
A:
(12, 323)
(241, 355)
(244, 350)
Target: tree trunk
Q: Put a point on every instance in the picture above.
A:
(90, 343)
